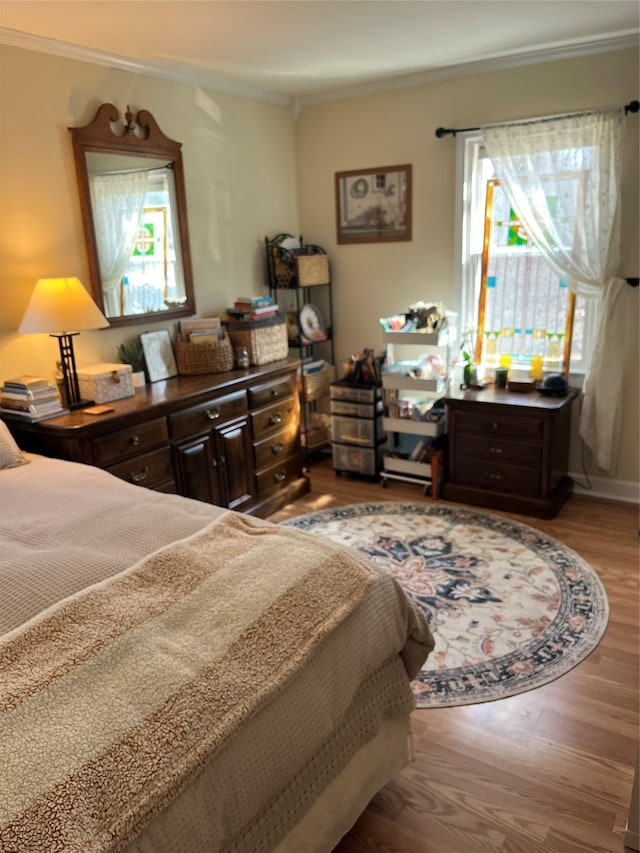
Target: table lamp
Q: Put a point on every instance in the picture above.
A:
(63, 304)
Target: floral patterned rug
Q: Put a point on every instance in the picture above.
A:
(510, 608)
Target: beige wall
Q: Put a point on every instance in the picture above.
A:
(244, 161)
(238, 158)
(397, 126)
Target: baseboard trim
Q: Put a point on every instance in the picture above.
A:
(604, 487)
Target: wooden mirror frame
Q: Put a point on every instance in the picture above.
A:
(144, 139)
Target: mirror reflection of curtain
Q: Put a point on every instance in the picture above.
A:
(117, 201)
(562, 178)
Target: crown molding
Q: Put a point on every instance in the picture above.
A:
(513, 59)
(205, 80)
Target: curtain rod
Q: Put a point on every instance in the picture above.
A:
(631, 107)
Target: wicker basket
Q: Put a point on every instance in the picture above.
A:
(312, 270)
(317, 433)
(316, 384)
(292, 270)
(266, 340)
(204, 356)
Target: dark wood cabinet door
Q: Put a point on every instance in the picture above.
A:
(234, 455)
(197, 469)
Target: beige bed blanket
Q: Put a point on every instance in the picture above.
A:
(114, 700)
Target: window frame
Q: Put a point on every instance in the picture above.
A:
(469, 255)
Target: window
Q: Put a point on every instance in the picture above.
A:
(150, 279)
(512, 299)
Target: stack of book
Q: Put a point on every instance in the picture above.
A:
(253, 308)
(30, 398)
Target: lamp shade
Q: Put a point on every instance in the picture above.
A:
(61, 305)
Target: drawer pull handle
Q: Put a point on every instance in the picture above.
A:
(213, 414)
(276, 419)
(277, 448)
(280, 476)
(275, 392)
(135, 440)
(140, 476)
(495, 425)
(496, 476)
(496, 450)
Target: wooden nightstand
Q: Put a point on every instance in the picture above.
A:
(509, 451)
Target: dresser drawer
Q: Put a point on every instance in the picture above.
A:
(275, 478)
(260, 395)
(275, 447)
(151, 470)
(490, 449)
(272, 419)
(512, 479)
(198, 418)
(529, 427)
(129, 442)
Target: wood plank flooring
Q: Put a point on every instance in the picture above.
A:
(549, 771)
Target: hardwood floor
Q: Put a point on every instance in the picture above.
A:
(549, 770)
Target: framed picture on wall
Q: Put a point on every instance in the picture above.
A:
(158, 355)
(373, 205)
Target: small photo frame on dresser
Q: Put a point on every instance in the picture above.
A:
(158, 355)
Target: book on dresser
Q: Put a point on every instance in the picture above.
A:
(30, 398)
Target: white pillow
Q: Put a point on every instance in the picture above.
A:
(10, 454)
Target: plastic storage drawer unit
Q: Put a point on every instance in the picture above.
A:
(356, 430)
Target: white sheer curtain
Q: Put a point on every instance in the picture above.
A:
(562, 178)
(117, 201)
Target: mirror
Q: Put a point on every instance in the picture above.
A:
(134, 211)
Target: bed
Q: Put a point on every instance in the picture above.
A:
(176, 677)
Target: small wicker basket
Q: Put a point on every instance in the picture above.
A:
(204, 356)
(316, 384)
(317, 433)
(266, 340)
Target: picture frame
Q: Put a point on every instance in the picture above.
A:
(374, 205)
(158, 355)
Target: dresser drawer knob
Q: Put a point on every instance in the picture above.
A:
(138, 477)
(280, 476)
(135, 440)
(275, 392)
(496, 450)
(495, 425)
(276, 419)
(492, 476)
(213, 414)
(277, 448)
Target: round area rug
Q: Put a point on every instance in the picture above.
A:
(509, 607)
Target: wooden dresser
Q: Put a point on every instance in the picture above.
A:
(231, 439)
(509, 451)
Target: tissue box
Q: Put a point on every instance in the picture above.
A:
(104, 383)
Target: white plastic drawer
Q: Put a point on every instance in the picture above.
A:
(358, 410)
(354, 393)
(359, 460)
(356, 430)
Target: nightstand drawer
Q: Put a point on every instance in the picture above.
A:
(260, 395)
(512, 479)
(207, 415)
(529, 427)
(272, 419)
(489, 449)
(275, 447)
(149, 469)
(129, 442)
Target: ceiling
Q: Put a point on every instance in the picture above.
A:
(313, 49)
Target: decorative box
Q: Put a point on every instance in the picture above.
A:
(104, 383)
